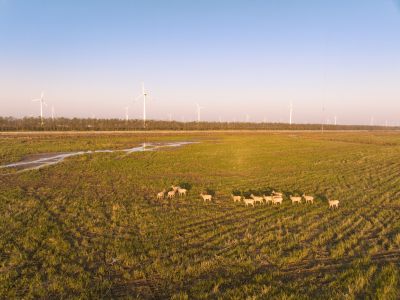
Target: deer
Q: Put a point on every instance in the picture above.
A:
(248, 202)
(308, 198)
(277, 194)
(206, 197)
(295, 199)
(257, 199)
(236, 198)
(182, 192)
(171, 194)
(333, 203)
(277, 200)
(175, 187)
(160, 195)
(267, 199)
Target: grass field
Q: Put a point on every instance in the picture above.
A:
(91, 227)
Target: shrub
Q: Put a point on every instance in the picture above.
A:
(210, 192)
(267, 191)
(236, 193)
(185, 185)
(247, 194)
(297, 193)
(255, 192)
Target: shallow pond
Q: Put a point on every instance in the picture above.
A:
(37, 161)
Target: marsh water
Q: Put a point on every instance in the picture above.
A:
(37, 161)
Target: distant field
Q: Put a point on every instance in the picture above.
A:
(91, 227)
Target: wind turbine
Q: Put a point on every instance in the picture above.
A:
(144, 95)
(335, 120)
(290, 113)
(41, 101)
(127, 113)
(199, 108)
(52, 112)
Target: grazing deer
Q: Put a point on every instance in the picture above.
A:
(160, 195)
(236, 198)
(308, 198)
(295, 199)
(171, 194)
(206, 197)
(248, 202)
(277, 200)
(268, 199)
(257, 199)
(277, 194)
(333, 203)
(175, 187)
(182, 192)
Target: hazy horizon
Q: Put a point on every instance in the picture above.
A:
(234, 58)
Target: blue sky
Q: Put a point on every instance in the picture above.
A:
(235, 58)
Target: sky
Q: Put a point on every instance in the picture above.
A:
(239, 60)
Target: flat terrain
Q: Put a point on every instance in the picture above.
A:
(90, 227)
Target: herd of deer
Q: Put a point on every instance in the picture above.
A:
(171, 194)
(275, 198)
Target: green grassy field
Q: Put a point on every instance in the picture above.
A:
(91, 227)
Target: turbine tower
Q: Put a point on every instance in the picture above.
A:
(144, 105)
(335, 120)
(144, 95)
(199, 108)
(52, 112)
(41, 101)
(127, 113)
(290, 113)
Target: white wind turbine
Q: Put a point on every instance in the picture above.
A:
(52, 112)
(41, 101)
(290, 113)
(199, 108)
(127, 113)
(144, 95)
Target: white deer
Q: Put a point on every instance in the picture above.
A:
(295, 199)
(277, 194)
(236, 198)
(268, 199)
(248, 202)
(308, 198)
(257, 199)
(171, 194)
(333, 203)
(175, 187)
(160, 195)
(206, 197)
(182, 192)
(276, 200)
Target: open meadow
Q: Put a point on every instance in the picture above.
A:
(91, 226)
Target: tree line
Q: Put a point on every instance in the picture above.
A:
(90, 124)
